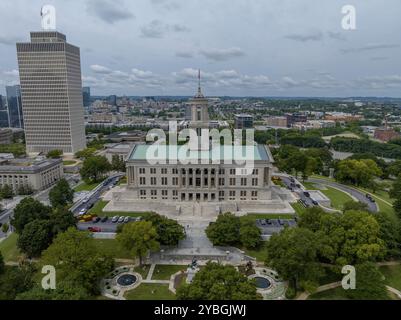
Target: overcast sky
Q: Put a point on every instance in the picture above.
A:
(243, 47)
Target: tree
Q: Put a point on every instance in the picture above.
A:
(2, 265)
(61, 194)
(7, 192)
(55, 154)
(294, 254)
(63, 291)
(5, 227)
(369, 283)
(34, 238)
(218, 282)
(86, 153)
(169, 231)
(117, 163)
(16, 280)
(225, 231)
(29, 210)
(94, 168)
(355, 205)
(357, 172)
(139, 238)
(61, 219)
(25, 190)
(250, 235)
(78, 260)
(395, 193)
(390, 233)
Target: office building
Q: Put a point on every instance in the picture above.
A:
(14, 106)
(243, 121)
(4, 122)
(86, 96)
(51, 90)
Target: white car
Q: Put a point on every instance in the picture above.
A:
(127, 219)
(121, 220)
(82, 212)
(115, 219)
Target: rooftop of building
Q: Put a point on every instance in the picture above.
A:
(28, 165)
(217, 153)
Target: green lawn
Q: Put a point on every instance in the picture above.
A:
(142, 270)
(86, 187)
(337, 197)
(98, 210)
(150, 291)
(69, 162)
(393, 275)
(9, 248)
(164, 272)
(309, 185)
(258, 253)
(299, 208)
(111, 247)
(123, 180)
(256, 216)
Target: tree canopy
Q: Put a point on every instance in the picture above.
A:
(61, 194)
(169, 231)
(218, 282)
(94, 168)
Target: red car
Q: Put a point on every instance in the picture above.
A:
(94, 229)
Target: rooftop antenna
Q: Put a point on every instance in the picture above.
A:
(48, 15)
(199, 84)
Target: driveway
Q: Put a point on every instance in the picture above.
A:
(361, 196)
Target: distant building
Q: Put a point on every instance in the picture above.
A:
(243, 121)
(6, 136)
(121, 150)
(276, 121)
(342, 117)
(86, 96)
(4, 122)
(112, 100)
(38, 175)
(386, 134)
(51, 89)
(295, 117)
(14, 103)
(314, 124)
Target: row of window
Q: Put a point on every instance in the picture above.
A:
(197, 182)
(198, 196)
(192, 171)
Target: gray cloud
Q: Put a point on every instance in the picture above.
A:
(158, 29)
(109, 11)
(222, 54)
(9, 40)
(315, 36)
(371, 47)
(184, 54)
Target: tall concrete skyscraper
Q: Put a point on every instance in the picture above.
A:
(14, 105)
(51, 90)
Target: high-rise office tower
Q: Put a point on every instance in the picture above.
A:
(86, 94)
(51, 90)
(14, 105)
(4, 123)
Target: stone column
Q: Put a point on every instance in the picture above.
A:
(202, 177)
(187, 178)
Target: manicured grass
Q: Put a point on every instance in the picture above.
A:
(69, 162)
(299, 208)
(123, 180)
(392, 275)
(9, 248)
(258, 253)
(150, 291)
(256, 216)
(142, 270)
(111, 247)
(337, 197)
(98, 210)
(86, 187)
(309, 185)
(164, 272)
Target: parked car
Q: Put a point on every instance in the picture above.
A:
(94, 229)
(268, 221)
(306, 194)
(82, 211)
(262, 222)
(96, 219)
(121, 219)
(315, 202)
(104, 219)
(292, 179)
(127, 219)
(115, 219)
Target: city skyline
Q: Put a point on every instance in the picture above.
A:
(255, 49)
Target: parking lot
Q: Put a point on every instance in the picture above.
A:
(271, 226)
(105, 225)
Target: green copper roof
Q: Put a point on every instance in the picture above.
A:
(219, 153)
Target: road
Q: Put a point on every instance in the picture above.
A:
(42, 196)
(372, 206)
(298, 190)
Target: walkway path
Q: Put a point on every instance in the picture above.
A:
(151, 270)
